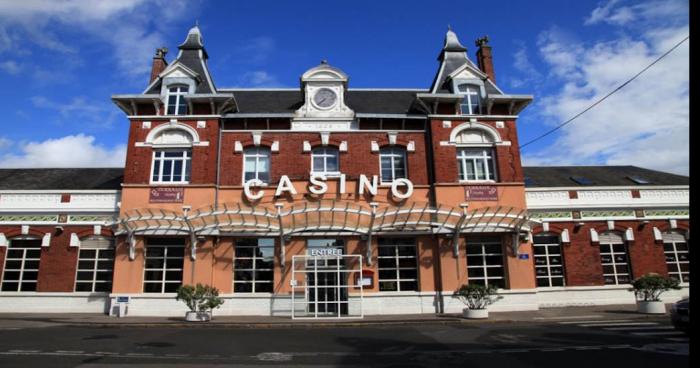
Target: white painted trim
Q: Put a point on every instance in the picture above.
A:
(657, 234)
(564, 236)
(25, 229)
(74, 241)
(622, 187)
(629, 234)
(3, 240)
(46, 240)
(495, 136)
(594, 236)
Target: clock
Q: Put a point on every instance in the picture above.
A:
(325, 98)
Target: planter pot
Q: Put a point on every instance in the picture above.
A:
(198, 316)
(656, 307)
(475, 313)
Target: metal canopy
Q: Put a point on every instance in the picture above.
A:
(325, 217)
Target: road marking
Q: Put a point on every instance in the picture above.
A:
(23, 351)
(638, 328)
(668, 333)
(69, 351)
(619, 324)
(601, 321)
(568, 317)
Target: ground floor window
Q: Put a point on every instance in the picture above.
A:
(95, 265)
(164, 261)
(549, 268)
(614, 259)
(485, 261)
(398, 266)
(253, 266)
(677, 256)
(21, 269)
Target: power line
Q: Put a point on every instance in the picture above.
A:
(604, 97)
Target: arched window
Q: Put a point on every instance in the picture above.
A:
(172, 160)
(95, 264)
(176, 100)
(677, 256)
(392, 163)
(475, 155)
(21, 264)
(549, 263)
(471, 103)
(256, 164)
(614, 259)
(324, 160)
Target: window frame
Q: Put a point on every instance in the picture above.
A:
(253, 281)
(175, 243)
(488, 157)
(22, 268)
(395, 243)
(668, 238)
(392, 157)
(185, 171)
(471, 90)
(616, 275)
(95, 267)
(179, 99)
(548, 265)
(257, 156)
(325, 155)
(482, 242)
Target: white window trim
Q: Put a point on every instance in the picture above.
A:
(257, 157)
(253, 270)
(392, 155)
(187, 161)
(163, 269)
(329, 174)
(461, 160)
(548, 265)
(472, 90)
(614, 263)
(21, 270)
(180, 98)
(396, 258)
(677, 264)
(484, 266)
(95, 270)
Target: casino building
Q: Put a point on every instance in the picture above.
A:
(329, 201)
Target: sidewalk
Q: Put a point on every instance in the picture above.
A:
(27, 320)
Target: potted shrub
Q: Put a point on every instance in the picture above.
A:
(200, 299)
(648, 289)
(477, 298)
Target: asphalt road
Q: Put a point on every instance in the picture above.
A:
(564, 343)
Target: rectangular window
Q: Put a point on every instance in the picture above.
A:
(471, 103)
(549, 267)
(398, 265)
(392, 162)
(176, 100)
(171, 166)
(677, 256)
(21, 269)
(254, 266)
(164, 261)
(475, 164)
(256, 164)
(324, 160)
(485, 261)
(613, 257)
(95, 266)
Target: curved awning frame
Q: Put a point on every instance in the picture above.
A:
(325, 217)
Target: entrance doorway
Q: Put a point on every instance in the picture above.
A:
(323, 281)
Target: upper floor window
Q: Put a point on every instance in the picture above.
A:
(475, 164)
(324, 160)
(171, 166)
(256, 164)
(471, 104)
(392, 162)
(176, 100)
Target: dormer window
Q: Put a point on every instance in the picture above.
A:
(176, 100)
(471, 104)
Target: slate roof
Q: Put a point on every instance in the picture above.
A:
(561, 176)
(61, 179)
(361, 101)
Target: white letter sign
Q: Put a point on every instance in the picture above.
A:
(318, 184)
(285, 185)
(253, 183)
(395, 188)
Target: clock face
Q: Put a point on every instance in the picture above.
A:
(325, 98)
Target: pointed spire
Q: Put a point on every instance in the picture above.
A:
(452, 42)
(194, 39)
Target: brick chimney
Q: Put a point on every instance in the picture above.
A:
(159, 63)
(484, 58)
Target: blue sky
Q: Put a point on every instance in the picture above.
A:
(61, 60)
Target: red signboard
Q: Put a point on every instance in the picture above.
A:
(481, 193)
(166, 195)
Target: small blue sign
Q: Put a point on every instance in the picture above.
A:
(122, 299)
(523, 256)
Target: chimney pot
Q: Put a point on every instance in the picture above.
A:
(159, 63)
(484, 57)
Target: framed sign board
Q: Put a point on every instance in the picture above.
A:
(481, 193)
(166, 195)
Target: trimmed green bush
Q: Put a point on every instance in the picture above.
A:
(649, 287)
(477, 296)
(199, 298)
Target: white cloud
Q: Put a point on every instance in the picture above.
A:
(132, 28)
(258, 79)
(521, 63)
(644, 124)
(5, 143)
(90, 114)
(69, 151)
(10, 67)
